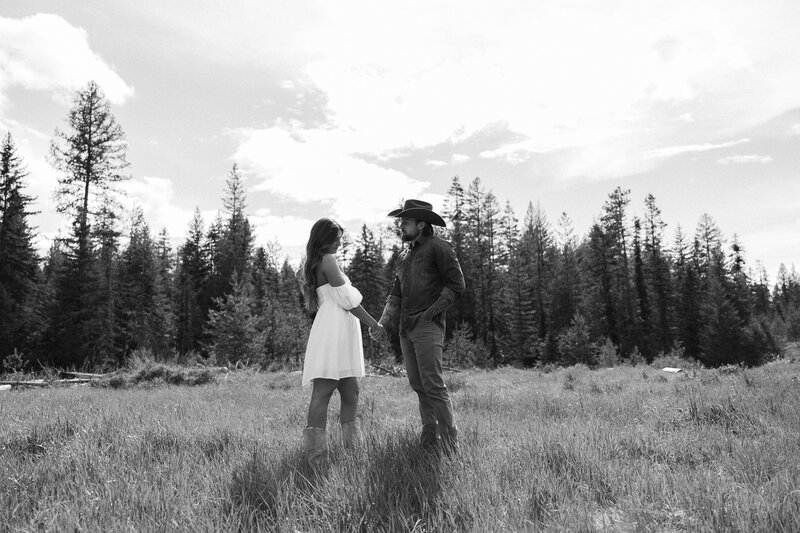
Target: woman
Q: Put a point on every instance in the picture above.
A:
(334, 357)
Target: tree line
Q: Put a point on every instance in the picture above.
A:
(536, 292)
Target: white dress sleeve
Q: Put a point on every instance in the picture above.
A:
(346, 296)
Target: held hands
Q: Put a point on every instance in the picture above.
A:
(378, 332)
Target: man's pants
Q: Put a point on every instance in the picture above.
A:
(422, 352)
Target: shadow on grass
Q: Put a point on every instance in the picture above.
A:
(387, 485)
(402, 486)
(40, 439)
(262, 492)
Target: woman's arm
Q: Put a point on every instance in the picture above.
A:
(361, 314)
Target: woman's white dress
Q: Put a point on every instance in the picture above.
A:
(334, 348)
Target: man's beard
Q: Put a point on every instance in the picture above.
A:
(406, 237)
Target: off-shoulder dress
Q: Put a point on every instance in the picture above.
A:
(335, 349)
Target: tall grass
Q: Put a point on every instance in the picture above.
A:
(621, 449)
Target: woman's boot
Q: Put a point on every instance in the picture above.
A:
(351, 435)
(315, 447)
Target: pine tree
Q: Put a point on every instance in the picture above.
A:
(292, 327)
(597, 287)
(191, 297)
(514, 306)
(721, 340)
(494, 249)
(566, 289)
(91, 157)
(18, 258)
(237, 235)
(454, 210)
(686, 294)
(473, 261)
(708, 240)
(657, 274)
(760, 292)
(786, 298)
(142, 323)
(575, 345)
(365, 272)
(264, 276)
(541, 248)
(164, 296)
(234, 330)
(642, 333)
(216, 286)
(615, 228)
(740, 283)
(479, 262)
(105, 322)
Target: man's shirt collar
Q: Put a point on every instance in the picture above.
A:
(419, 241)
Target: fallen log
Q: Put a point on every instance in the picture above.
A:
(387, 370)
(85, 375)
(46, 383)
(29, 383)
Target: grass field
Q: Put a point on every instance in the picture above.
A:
(621, 449)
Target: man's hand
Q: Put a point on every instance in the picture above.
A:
(378, 333)
(436, 308)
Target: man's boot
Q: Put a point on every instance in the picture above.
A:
(351, 435)
(315, 447)
(428, 439)
(449, 440)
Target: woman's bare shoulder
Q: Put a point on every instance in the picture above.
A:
(330, 267)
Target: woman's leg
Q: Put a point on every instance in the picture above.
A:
(321, 392)
(348, 392)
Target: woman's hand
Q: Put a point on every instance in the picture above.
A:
(378, 332)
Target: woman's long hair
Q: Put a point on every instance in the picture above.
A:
(323, 235)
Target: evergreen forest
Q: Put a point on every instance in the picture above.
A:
(539, 291)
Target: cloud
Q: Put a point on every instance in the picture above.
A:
(773, 246)
(553, 75)
(316, 166)
(44, 52)
(515, 153)
(290, 231)
(736, 159)
(704, 147)
(156, 197)
(795, 130)
(572, 78)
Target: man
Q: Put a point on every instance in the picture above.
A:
(427, 278)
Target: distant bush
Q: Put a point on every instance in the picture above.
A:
(14, 362)
(575, 344)
(675, 358)
(142, 370)
(463, 351)
(607, 355)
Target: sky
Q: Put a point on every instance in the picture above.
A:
(344, 108)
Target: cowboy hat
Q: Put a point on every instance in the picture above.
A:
(418, 210)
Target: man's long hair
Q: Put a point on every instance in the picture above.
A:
(323, 235)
